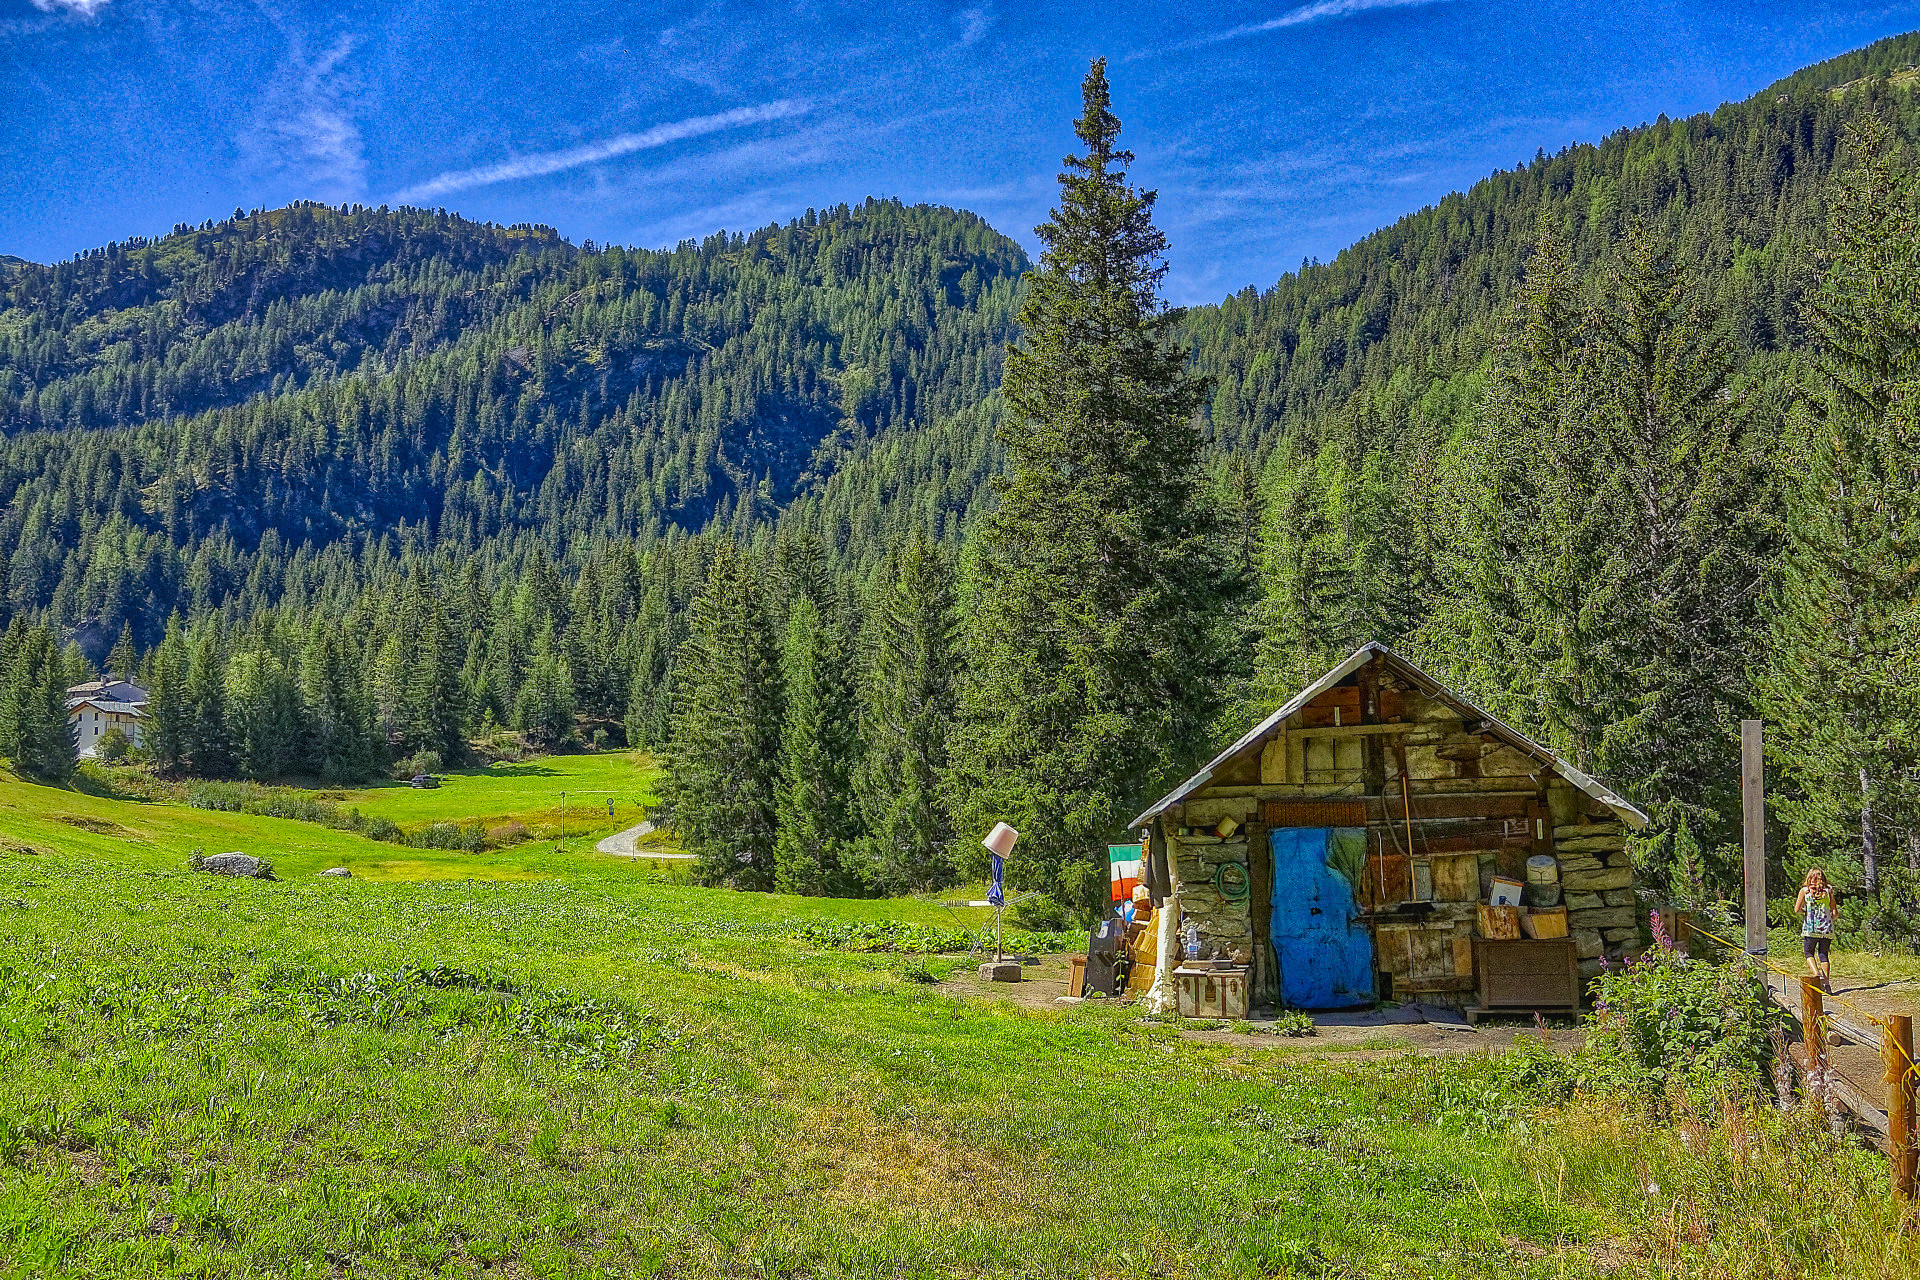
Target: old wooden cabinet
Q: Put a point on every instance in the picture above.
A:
(1527, 973)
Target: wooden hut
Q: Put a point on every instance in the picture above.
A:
(1345, 846)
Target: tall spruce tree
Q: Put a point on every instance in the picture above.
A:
(1616, 542)
(909, 712)
(263, 715)
(1845, 651)
(340, 741)
(1099, 633)
(818, 818)
(33, 709)
(722, 762)
(124, 658)
(167, 739)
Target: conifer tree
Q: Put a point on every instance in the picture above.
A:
(1845, 648)
(818, 822)
(341, 743)
(434, 698)
(124, 659)
(263, 715)
(167, 737)
(1302, 584)
(544, 710)
(1102, 623)
(723, 759)
(209, 746)
(909, 713)
(33, 709)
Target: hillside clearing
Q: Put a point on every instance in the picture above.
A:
(609, 1073)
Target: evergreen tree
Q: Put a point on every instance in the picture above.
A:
(33, 709)
(341, 745)
(545, 707)
(263, 715)
(209, 745)
(434, 697)
(167, 737)
(1845, 650)
(124, 660)
(722, 762)
(911, 701)
(818, 826)
(1102, 629)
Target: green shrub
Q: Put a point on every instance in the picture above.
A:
(1039, 912)
(114, 746)
(1664, 1021)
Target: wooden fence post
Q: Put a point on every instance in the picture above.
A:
(1753, 822)
(1897, 1048)
(1814, 1039)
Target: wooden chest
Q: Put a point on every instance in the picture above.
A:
(1527, 973)
(1210, 993)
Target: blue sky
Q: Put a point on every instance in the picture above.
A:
(1274, 131)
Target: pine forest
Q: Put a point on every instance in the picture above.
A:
(875, 531)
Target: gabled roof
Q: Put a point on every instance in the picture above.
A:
(117, 690)
(1628, 812)
(108, 706)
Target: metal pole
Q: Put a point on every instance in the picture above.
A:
(1753, 816)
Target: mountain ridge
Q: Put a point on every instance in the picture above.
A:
(184, 414)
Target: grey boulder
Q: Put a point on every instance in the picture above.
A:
(237, 864)
(337, 871)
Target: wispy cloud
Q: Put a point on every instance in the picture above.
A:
(975, 22)
(546, 162)
(306, 127)
(1319, 11)
(85, 8)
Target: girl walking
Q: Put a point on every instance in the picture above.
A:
(1818, 907)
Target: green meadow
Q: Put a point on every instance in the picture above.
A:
(583, 1066)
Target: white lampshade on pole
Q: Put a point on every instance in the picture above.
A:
(1000, 839)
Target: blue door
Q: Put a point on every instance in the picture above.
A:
(1326, 954)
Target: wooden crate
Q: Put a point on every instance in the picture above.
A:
(1542, 974)
(1499, 922)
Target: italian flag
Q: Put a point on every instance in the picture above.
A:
(1123, 861)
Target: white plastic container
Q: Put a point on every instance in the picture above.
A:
(1543, 869)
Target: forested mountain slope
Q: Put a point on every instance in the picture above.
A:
(312, 376)
(181, 409)
(1542, 434)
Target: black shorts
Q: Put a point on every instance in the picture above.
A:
(1815, 946)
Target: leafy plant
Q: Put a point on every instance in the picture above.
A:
(1665, 1021)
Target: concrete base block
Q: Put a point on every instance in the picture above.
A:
(1000, 971)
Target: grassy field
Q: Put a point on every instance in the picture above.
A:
(163, 834)
(604, 1072)
(526, 791)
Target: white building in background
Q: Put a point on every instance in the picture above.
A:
(100, 705)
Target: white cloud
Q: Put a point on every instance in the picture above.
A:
(975, 23)
(307, 130)
(85, 8)
(546, 162)
(1318, 11)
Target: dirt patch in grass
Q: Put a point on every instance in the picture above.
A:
(98, 826)
(859, 1161)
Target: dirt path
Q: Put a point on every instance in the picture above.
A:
(623, 844)
(1378, 1033)
(1853, 1043)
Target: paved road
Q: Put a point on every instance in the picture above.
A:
(621, 844)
